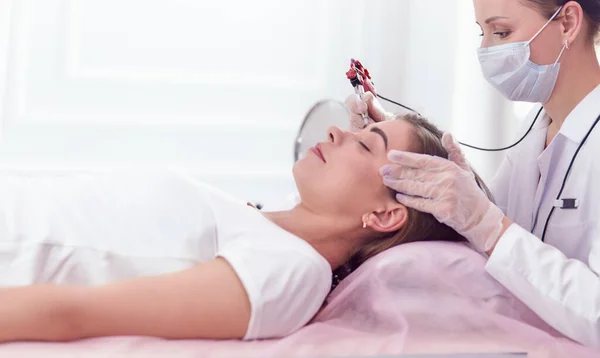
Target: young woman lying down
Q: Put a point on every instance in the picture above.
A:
(164, 255)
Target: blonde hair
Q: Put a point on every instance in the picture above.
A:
(419, 226)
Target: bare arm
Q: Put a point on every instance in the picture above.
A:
(206, 301)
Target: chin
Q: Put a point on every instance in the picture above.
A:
(307, 181)
(295, 169)
(300, 175)
(302, 171)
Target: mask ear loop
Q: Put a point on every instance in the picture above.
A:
(565, 47)
(546, 25)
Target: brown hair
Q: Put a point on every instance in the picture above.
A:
(591, 9)
(419, 226)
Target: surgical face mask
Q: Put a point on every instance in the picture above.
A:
(509, 69)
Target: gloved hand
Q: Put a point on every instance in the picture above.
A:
(446, 189)
(357, 107)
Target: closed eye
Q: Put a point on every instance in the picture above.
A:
(364, 146)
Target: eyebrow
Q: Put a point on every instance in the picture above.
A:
(493, 18)
(382, 134)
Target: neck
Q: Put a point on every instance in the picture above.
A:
(577, 80)
(334, 237)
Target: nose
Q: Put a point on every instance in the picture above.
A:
(485, 42)
(335, 135)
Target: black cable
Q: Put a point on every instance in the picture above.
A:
(510, 146)
(472, 146)
(515, 144)
(567, 175)
(564, 183)
(397, 104)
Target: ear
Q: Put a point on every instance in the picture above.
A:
(390, 219)
(571, 21)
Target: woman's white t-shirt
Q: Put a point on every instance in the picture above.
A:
(101, 227)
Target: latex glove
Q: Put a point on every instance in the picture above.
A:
(446, 189)
(357, 107)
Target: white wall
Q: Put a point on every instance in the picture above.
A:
(221, 87)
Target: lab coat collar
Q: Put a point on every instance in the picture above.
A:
(582, 117)
(543, 121)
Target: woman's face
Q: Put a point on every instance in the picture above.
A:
(341, 176)
(509, 21)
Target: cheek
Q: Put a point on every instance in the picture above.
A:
(355, 181)
(347, 170)
(546, 47)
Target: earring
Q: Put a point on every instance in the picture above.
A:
(364, 225)
(567, 44)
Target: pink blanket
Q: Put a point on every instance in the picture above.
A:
(417, 298)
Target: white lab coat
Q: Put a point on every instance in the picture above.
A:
(558, 279)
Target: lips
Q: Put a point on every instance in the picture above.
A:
(318, 151)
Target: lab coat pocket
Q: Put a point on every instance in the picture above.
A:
(574, 239)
